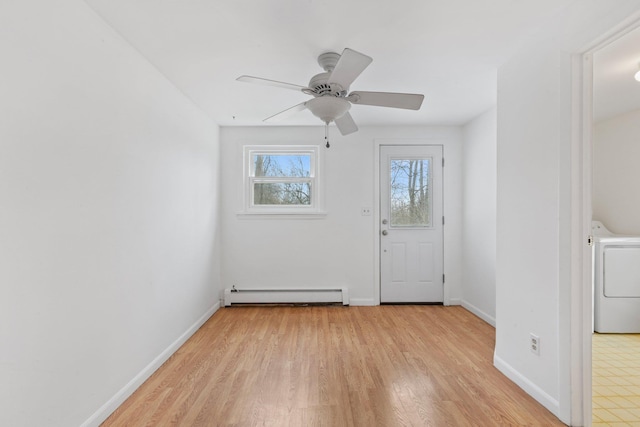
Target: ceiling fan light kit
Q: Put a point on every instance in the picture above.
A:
(328, 108)
(330, 90)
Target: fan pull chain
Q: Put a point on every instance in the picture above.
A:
(326, 133)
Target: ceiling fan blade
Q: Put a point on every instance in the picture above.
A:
(350, 65)
(286, 113)
(267, 82)
(409, 101)
(345, 124)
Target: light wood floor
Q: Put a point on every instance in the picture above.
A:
(334, 366)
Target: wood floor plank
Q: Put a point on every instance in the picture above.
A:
(334, 366)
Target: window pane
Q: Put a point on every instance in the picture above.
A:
(410, 192)
(282, 193)
(283, 165)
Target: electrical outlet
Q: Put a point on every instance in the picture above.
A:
(366, 211)
(534, 344)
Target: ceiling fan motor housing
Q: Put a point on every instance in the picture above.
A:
(321, 86)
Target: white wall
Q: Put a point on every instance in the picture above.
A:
(533, 253)
(338, 249)
(108, 218)
(527, 218)
(479, 216)
(616, 150)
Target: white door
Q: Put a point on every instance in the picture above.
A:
(411, 250)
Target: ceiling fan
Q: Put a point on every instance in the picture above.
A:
(330, 90)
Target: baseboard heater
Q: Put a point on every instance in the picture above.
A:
(285, 296)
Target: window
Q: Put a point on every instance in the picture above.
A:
(282, 180)
(410, 193)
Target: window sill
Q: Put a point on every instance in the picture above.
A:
(282, 215)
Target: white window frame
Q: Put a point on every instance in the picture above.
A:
(315, 206)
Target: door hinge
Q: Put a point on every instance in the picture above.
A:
(443, 162)
(442, 219)
(590, 240)
(443, 278)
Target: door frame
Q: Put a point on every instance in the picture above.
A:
(378, 142)
(581, 217)
(435, 230)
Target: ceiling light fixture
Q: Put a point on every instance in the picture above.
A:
(637, 76)
(328, 109)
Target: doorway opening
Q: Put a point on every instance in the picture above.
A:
(615, 368)
(607, 68)
(411, 224)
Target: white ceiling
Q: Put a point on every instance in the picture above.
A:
(615, 89)
(447, 50)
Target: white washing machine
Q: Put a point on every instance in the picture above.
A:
(616, 281)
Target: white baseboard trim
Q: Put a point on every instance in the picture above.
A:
(362, 302)
(524, 383)
(481, 314)
(453, 301)
(112, 404)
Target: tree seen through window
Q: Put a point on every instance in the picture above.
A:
(287, 179)
(410, 198)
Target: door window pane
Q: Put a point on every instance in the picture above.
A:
(410, 193)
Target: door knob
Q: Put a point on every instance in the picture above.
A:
(385, 232)
(384, 221)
